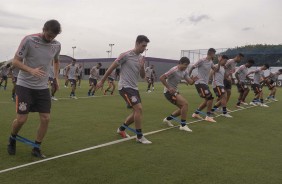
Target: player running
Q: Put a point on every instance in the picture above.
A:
(94, 76)
(71, 72)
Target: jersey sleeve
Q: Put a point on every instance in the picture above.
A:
(170, 73)
(121, 59)
(198, 63)
(56, 57)
(23, 48)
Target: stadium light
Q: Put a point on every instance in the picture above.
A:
(111, 45)
(108, 51)
(74, 47)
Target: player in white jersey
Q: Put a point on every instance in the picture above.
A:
(204, 66)
(111, 83)
(241, 76)
(271, 83)
(34, 57)
(72, 72)
(5, 70)
(14, 72)
(218, 86)
(230, 68)
(93, 78)
(170, 80)
(53, 83)
(131, 67)
(149, 73)
(256, 86)
(66, 76)
(79, 76)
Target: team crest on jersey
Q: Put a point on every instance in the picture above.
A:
(133, 99)
(22, 106)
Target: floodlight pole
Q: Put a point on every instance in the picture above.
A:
(111, 45)
(74, 47)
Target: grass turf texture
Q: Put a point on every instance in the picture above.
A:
(244, 149)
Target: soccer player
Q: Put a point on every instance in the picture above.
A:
(271, 79)
(154, 76)
(94, 76)
(241, 76)
(256, 86)
(218, 86)
(204, 66)
(14, 71)
(230, 68)
(53, 83)
(149, 73)
(37, 51)
(4, 75)
(79, 76)
(131, 66)
(111, 83)
(170, 80)
(66, 76)
(71, 72)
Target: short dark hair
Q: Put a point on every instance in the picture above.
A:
(251, 61)
(184, 60)
(241, 55)
(142, 38)
(53, 26)
(73, 59)
(211, 50)
(266, 65)
(280, 70)
(224, 57)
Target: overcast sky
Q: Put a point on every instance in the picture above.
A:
(171, 25)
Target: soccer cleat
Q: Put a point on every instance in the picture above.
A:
(149, 91)
(168, 122)
(89, 94)
(185, 128)
(54, 98)
(273, 99)
(227, 115)
(74, 97)
(194, 115)
(11, 146)
(143, 140)
(239, 107)
(244, 103)
(37, 153)
(123, 134)
(263, 105)
(210, 119)
(253, 103)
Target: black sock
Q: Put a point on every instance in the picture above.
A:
(38, 143)
(261, 100)
(169, 117)
(121, 128)
(214, 108)
(197, 111)
(139, 133)
(13, 135)
(183, 122)
(224, 110)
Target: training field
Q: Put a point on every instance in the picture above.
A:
(244, 149)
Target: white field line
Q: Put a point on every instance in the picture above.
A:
(102, 145)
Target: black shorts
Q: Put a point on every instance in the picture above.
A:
(79, 77)
(53, 82)
(171, 97)
(203, 90)
(227, 84)
(32, 100)
(242, 87)
(256, 88)
(219, 91)
(131, 96)
(92, 81)
(110, 79)
(14, 80)
(72, 82)
(5, 77)
(149, 80)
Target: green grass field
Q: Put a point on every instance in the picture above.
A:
(244, 149)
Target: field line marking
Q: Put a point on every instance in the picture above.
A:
(104, 145)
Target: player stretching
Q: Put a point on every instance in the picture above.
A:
(241, 76)
(131, 66)
(170, 80)
(270, 82)
(204, 66)
(218, 86)
(94, 76)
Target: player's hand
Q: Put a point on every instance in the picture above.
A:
(100, 84)
(37, 72)
(194, 78)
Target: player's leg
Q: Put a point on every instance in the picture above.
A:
(182, 104)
